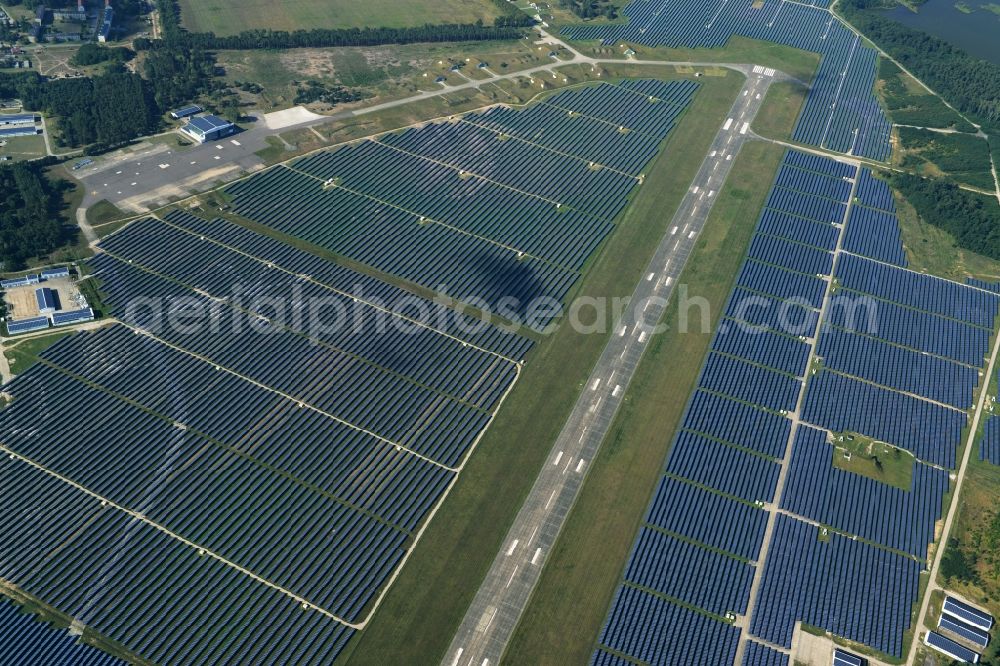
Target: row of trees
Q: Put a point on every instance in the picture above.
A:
(31, 223)
(506, 26)
(972, 85)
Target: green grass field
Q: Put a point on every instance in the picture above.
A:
(580, 576)
(230, 17)
(426, 603)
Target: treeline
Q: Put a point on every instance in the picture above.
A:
(507, 26)
(31, 223)
(973, 219)
(94, 54)
(587, 9)
(972, 85)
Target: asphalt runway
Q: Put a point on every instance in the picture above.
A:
(497, 607)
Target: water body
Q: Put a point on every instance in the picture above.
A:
(978, 32)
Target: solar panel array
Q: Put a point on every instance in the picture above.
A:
(989, 446)
(841, 112)
(265, 455)
(902, 355)
(902, 520)
(873, 228)
(758, 654)
(896, 380)
(724, 461)
(493, 206)
(845, 586)
(25, 639)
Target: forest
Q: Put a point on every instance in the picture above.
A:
(970, 84)
(31, 223)
(973, 219)
(107, 110)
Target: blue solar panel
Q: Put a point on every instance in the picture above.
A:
(738, 423)
(967, 613)
(658, 632)
(710, 463)
(899, 519)
(26, 639)
(920, 291)
(27, 325)
(950, 648)
(898, 368)
(72, 316)
(844, 586)
(974, 635)
(687, 572)
(989, 446)
(841, 112)
(756, 654)
(843, 404)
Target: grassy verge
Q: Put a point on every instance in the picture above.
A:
(418, 618)
(103, 212)
(738, 50)
(782, 106)
(22, 354)
(876, 460)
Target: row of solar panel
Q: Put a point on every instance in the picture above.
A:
(919, 291)
(844, 586)
(325, 317)
(205, 492)
(722, 463)
(189, 620)
(843, 404)
(841, 112)
(268, 429)
(423, 204)
(899, 519)
(898, 368)
(27, 639)
(356, 286)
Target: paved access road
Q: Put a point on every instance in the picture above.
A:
(490, 621)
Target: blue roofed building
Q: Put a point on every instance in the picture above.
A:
(72, 316)
(55, 273)
(208, 128)
(27, 325)
(48, 300)
(8, 120)
(185, 112)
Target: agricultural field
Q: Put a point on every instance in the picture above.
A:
(230, 17)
